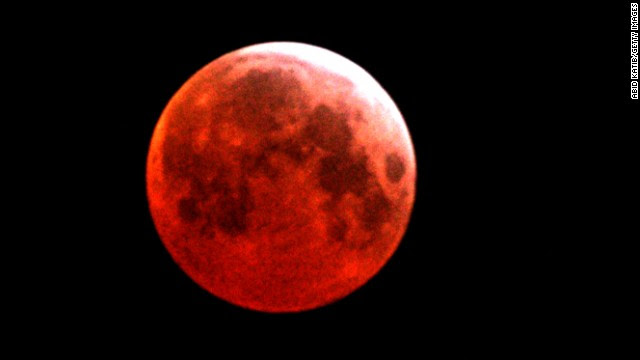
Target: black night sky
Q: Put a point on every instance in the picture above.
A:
(498, 103)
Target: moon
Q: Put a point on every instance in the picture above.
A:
(281, 177)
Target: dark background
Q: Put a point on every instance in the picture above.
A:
(509, 111)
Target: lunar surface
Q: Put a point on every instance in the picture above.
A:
(281, 177)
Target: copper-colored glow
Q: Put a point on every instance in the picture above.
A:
(281, 177)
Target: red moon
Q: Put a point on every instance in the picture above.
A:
(281, 177)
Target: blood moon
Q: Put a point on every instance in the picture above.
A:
(281, 177)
